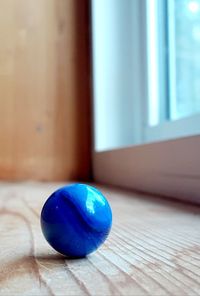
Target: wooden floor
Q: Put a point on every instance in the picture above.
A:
(154, 248)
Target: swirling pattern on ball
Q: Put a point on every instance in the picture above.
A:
(76, 220)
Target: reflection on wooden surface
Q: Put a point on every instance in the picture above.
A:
(154, 248)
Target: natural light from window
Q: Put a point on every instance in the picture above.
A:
(174, 55)
(146, 71)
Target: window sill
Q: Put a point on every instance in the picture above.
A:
(169, 168)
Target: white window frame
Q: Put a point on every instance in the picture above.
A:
(170, 166)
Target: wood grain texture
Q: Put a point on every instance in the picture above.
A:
(153, 249)
(44, 89)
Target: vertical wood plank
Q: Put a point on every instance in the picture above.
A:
(44, 90)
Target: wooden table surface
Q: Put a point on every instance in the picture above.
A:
(153, 249)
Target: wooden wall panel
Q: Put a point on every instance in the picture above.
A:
(44, 89)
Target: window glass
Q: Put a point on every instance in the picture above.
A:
(187, 58)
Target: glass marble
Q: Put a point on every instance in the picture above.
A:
(76, 219)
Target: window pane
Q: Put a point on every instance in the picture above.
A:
(157, 56)
(185, 100)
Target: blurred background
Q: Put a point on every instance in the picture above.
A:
(45, 113)
(135, 63)
(146, 71)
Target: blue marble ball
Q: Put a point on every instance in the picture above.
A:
(76, 220)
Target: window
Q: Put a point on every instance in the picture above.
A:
(146, 57)
(174, 59)
(146, 82)
(185, 57)
(173, 68)
(115, 69)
